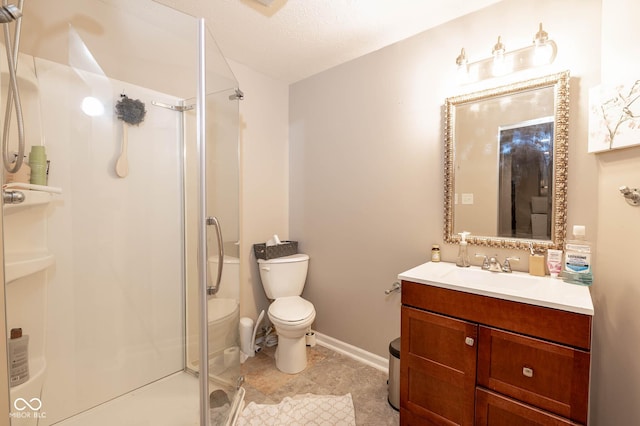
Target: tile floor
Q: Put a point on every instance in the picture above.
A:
(327, 373)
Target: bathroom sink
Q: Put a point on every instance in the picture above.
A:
(515, 286)
(485, 278)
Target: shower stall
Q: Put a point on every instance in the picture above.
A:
(125, 280)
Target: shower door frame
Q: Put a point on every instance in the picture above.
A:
(202, 227)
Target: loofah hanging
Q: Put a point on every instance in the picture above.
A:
(131, 111)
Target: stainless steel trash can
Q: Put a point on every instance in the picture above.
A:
(394, 374)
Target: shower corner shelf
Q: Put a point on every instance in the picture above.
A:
(24, 264)
(33, 386)
(32, 198)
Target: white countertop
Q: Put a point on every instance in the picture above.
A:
(516, 286)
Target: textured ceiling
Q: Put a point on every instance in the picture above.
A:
(294, 39)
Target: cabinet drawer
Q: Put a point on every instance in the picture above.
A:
(547, 375)
(565, 328)
(496, 410)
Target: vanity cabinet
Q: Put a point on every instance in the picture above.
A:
(473, 359)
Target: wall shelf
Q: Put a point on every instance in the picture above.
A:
(37, 367)
(30, 391)
(18, 265)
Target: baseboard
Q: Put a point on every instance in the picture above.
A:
(354, 352)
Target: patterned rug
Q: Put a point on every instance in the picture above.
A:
(307, 410)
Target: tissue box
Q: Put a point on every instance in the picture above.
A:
(287, 248)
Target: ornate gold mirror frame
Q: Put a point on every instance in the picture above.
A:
(559, 83)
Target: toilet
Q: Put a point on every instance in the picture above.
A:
(223, 313)
(283, 279)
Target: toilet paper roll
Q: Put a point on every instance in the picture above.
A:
(231, 356)
(310, 339)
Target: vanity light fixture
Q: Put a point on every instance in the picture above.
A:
(541, 52)
(501, 65)
(498, 50)
(461, 62)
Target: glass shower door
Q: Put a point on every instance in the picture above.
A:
(222, 251)
(223, 271)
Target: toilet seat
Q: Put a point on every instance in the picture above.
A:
(291, 310)
(221, 309)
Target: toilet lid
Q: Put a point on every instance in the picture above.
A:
(291, 309)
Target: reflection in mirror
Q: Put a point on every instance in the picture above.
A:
(505, 164)
(525, 172)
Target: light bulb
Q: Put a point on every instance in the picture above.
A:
(92, 106)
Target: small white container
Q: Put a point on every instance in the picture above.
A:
(310, 339)
(18, 357)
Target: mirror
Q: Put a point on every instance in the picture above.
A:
(506, 164)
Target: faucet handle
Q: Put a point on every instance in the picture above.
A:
(485, 261)
(506, 267)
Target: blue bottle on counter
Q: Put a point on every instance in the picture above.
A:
(578, 252)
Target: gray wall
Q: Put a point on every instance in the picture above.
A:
(615, 389)
(366, 157)
(366, 193)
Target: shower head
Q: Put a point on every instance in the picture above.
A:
(9, 13)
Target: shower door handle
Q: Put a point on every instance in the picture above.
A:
(211, 290)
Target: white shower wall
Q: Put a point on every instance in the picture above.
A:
(115, 318)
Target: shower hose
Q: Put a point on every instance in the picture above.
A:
(13, 97)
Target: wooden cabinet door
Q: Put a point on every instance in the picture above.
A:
(438, 369)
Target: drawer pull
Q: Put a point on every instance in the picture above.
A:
(469, 341)
(528, 372)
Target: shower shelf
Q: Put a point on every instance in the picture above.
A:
(32, 198)
(33, 386)
(37, 368)
(24, 264)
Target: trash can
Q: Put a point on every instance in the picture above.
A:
(394, 374)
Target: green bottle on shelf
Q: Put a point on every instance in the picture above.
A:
(38, 164)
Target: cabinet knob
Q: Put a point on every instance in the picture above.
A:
(527, 372)
(469, 341)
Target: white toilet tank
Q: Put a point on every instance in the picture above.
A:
(230, 282)
(284, 276)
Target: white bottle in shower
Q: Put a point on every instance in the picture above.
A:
(18, 357)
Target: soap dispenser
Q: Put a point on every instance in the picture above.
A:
(463, 254)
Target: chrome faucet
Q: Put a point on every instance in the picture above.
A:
(492, 264)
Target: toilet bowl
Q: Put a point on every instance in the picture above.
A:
(292, 317)
(283, 279)
(224, 315)
(224, 307)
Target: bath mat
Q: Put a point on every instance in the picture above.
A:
(307, 410)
